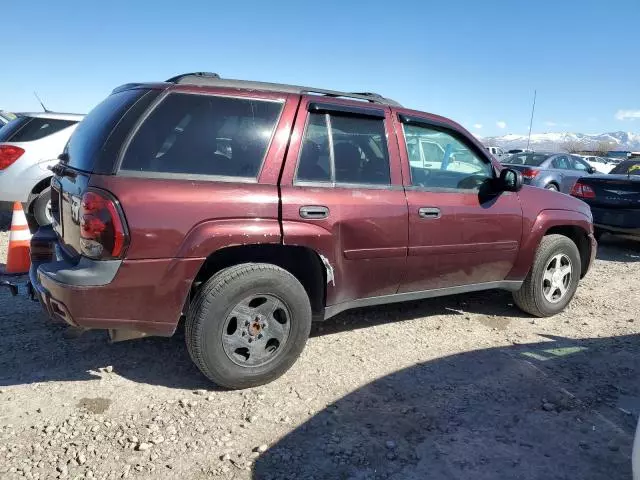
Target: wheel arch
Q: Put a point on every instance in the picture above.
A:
(302, 262)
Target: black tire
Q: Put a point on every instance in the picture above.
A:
(530, 297)
(40, 206)
(204, 326)
(553, 187)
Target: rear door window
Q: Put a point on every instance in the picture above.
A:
(561, 163)
(210, 135)
(343, 149)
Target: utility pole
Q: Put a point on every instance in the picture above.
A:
(533, 109)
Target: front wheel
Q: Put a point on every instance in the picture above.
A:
(553, 278)
(248, 325)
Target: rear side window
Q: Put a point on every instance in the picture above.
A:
(88, 139)
(343, 149)
(28, 129)
(204, 135)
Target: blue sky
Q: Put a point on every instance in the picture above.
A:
(477, 62)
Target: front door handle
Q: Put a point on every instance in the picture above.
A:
(429, 212)
(314, 212)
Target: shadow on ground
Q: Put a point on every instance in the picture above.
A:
(34, 350)
(618, 249)
(487, 414)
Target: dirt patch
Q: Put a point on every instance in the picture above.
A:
(451, 388)
(94, 405)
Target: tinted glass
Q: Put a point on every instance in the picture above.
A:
(530, 159)
(360, 152)
(87, 140)
(204, 135)
(439, 159)
(39, 128)
(631, 167)
(12, 127)
(315, 158)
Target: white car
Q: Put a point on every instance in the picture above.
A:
(602, 165)
(29, 145)
(496, 152)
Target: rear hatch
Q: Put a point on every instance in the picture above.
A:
(92, 149)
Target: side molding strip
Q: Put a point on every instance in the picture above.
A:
(332, 310)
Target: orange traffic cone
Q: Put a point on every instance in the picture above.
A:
(18, 257)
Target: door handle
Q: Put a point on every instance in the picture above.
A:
(314, 212)
(429, 212)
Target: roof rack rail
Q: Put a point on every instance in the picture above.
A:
(214, 80)
(184, 78)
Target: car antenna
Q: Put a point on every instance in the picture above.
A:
(533, 109)
(41, 104)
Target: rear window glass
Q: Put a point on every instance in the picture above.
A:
(204, 135)
(530, 159)
(87, 140)
(12, 127)
(627, 168)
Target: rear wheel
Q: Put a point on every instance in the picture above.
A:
(248, 325)
(42, 207)
(553, 278)
(552, 186)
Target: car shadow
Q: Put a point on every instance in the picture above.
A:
(614, 248)
(33, 350)
(492, 305)
(555, 410)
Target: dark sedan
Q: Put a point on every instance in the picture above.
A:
(614, 199)
(553, 171)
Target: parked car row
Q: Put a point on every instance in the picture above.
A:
(611, 190)
(614, 199)
(29, 146)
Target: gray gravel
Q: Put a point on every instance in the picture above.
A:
(454, 388)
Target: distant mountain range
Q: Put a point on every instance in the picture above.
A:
(555, 141)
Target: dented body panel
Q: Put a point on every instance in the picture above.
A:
(371, 242)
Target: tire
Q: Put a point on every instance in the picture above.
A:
(210, 318)
(41, 205)
(531, 296)
(553, 187)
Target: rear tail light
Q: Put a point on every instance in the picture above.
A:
(103, 233)
(581, 190)
(9, 154)
(530, 173)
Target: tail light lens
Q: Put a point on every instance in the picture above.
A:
(103, 232)
(9, 154)
(581, 190)
(530, 173)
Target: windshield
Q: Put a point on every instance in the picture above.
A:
(631, 167)
(530, 159)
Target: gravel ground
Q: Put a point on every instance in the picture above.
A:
(454, 388)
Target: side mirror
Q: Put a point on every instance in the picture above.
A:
(591, 170)
(510, 180)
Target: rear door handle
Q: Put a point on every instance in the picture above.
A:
(429, 212)
(314, 212)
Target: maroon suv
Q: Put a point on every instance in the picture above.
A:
(252, 209)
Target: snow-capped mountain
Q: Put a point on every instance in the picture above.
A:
(555, 141)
